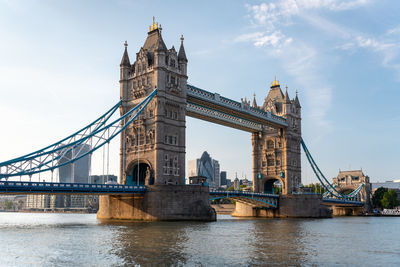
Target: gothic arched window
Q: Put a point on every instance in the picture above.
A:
(270, 144)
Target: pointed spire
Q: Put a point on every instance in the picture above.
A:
(254, 101)
(296, 100)
(286, 98)
(160, 45)
(125, 58)
(182, 54)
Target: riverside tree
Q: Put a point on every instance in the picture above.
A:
(389, 199)
(377, 197)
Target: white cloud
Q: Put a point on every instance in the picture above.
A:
(271, 13)
(393, 31)
(387, 50)
(306, 60)
(275, 39)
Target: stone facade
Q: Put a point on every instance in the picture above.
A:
(347, 181)
(290, 206)
(160, 203)
(153, 147)
(276, 151)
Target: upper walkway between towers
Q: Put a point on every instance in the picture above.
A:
(213, 107)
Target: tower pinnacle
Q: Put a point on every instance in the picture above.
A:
(181, 53)
(275, 83)
(125, 58)
(154, 26)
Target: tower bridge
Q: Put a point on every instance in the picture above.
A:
(155, 100)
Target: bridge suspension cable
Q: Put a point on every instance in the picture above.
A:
(74, 147)
(331, 189)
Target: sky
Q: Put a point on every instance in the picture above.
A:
(59, 70)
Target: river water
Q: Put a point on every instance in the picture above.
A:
(48, 239)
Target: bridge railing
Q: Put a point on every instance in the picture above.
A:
(223, 101)
(342, 201)
(242, 193)
(23, 186)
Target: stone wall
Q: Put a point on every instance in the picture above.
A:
(159, 203)
(290, 206)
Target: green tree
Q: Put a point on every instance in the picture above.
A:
(242, 186)
(377, 197)
(232, 188)
(277, 190)
(317, 188)
(389, 199)
(8, 205)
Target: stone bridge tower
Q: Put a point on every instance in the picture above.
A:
(276, 152)
(153, 146)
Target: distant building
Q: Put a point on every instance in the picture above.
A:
(39, 202)
(207, 167)
(102, 179)
(246, 182)
(236, 183)
(222, 178)
(347, 181)
(388, 184)
(78, 171)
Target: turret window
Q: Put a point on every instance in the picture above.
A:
(270, 160)
(171, 139)
(270, 144)
(166, 163)
(175, 168)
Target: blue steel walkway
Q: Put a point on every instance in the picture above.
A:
(250, 198)
(68, 188)
(342, 202)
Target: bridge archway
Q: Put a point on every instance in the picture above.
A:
(346, 190)
(139, 173)
(270, 184)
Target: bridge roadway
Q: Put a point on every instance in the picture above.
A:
(253, 199)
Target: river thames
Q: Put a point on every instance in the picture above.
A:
(48, 239)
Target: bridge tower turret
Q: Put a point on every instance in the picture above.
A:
(276, 152)
(153, 146)
(125, 69)
(292, 150)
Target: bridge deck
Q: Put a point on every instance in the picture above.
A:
(341, 202)
(8, 187)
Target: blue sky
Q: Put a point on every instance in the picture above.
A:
(59, 70)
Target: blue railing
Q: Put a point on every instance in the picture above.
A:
(343, 201)
(242, 193)
(269, 200)
(22, 187)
